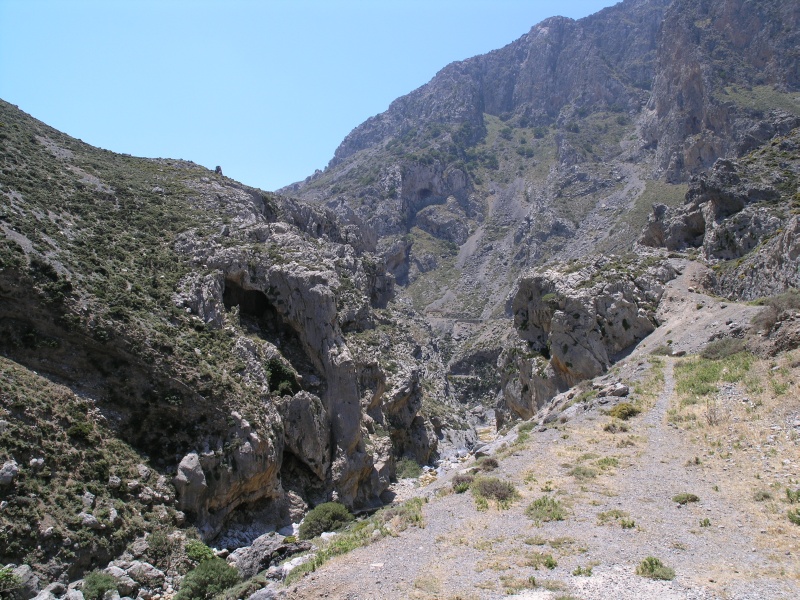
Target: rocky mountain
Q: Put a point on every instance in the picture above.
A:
(555, 147)
(184, 356)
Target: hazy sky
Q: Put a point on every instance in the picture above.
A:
(267, 89)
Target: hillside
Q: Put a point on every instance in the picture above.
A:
(598, 219)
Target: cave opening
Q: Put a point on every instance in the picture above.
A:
(261, 318)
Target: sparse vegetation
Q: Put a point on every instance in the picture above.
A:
(582, 472)
(408, 468)
(794, 515)
(762, 495)
(685, 498)
(461, 482)
(9, 581)
(615, 426)
(390, 521)
(545, 509)
(722, 348)
(492, 488)
(623, 411)
(652, 568)
(486, 463)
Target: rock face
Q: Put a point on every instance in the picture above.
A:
(740, 216)
(691, 119)
(570, 327)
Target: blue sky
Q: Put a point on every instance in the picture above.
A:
(266, 89)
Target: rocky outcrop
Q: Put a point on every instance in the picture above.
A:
(572, 326)
(739, 215)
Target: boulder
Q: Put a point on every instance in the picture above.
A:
(9, 472)
(190, 483)
(307, 431)
(266, 550)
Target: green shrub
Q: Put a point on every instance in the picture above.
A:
(387, 521)
(81, 430)
(160, 548)
(722, 348)
(685, 498)
(461, 482)
(762, 495)
(793, 497)
(209, 578)
(624, 411)
(627, 523)
(9, 581)
(608, 462)
(198, 551)
(582, 572)
(545, 509)
(329, 516)
(654, 569)
(96, 584)
(408, 469)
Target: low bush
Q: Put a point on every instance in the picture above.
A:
(582, 472)
(624, 411)
(209, 578)
(329, 516)
(653, 568)
(794, 516)
(545, 509)
(615, 426)
(493, 488)
(197, 551)
(487, 463)
(96, 584)
(761, 496)
(685, 498)
(461, 482)
(722, 348)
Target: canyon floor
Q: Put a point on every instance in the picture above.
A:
(736, 449)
